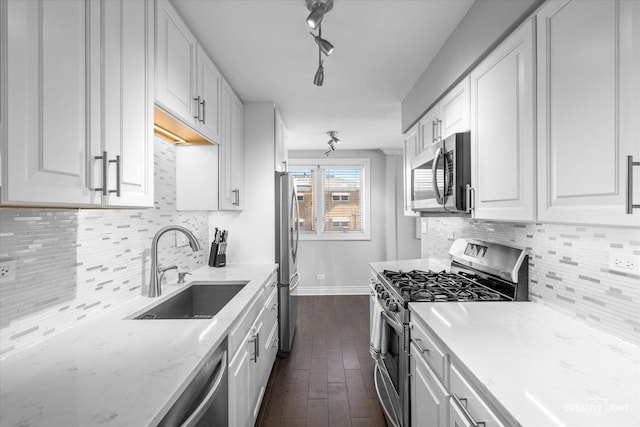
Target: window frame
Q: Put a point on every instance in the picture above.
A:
(318, 201)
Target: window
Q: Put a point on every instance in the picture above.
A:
(333, 197)
(340, 197)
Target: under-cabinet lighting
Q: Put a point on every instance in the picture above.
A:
(171, 135)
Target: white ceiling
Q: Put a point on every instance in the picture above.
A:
(263, 48)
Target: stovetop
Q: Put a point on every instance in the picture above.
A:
(429, 286)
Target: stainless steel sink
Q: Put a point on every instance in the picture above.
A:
(200, 300)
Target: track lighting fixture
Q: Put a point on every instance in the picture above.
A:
(323, 44)
(332, 142)
(318, 9)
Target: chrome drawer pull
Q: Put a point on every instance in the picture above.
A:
(462, 404)
(418, 344)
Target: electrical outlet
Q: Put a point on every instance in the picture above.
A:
(320, 277)
(624, 263)
(7, 271)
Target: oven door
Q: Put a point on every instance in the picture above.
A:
(389, 376)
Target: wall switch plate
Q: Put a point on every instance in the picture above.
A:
(7, 271)
(624, 263)
(320, 277)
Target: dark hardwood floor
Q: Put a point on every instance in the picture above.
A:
(327, 380)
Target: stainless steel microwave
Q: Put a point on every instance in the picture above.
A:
(441, 177)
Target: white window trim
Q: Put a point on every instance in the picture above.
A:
(366, 194)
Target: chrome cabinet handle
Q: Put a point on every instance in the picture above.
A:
(203, 120)
(236, 202)
(470, 198)
(105, 173)
(204, 405)
(118, 176)
(630, 165)
(439, 128)
(462, 404)
(197, 101)
(275, 343)
(434, 138)
(256, 347)
(418, 343)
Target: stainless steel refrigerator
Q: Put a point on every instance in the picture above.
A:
(287, 232)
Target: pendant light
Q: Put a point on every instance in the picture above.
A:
(325, 46)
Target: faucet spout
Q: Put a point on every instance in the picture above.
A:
(155, 283)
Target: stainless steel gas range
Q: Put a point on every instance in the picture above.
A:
(479, 271)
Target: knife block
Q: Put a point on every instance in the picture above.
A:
(216, 259)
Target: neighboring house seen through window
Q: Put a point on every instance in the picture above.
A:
(333, 197)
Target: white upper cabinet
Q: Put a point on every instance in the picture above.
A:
(588, 110)
(447, 117)
(176, 50)
(45, 154)
(209, 85)
(127, 104)
(188, 84)
(502, 130)
(454, 110)
(76, 90)
(231, 151)
(410, 151)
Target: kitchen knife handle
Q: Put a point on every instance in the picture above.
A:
(105, 173)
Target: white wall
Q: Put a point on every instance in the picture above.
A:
(345, 264)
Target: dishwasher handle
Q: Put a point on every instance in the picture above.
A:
(202, 408)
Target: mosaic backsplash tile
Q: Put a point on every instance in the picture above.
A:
(568, 266)
(76, 264)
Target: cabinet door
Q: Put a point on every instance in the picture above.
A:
(410, 150)
(241, 384)
(45, 154)
(208, 90)
(502, 135)
(227, 190)
(262, 366)
(175, 63)
(587, 110)
(428, 129)
(237, 147)
(127, 104)
(454, 110)
(467, 406)
(429, 398)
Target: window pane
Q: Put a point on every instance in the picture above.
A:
(342, 199)
(305, 186)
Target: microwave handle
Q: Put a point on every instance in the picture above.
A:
(434, 176)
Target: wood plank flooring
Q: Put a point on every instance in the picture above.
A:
(327, 380)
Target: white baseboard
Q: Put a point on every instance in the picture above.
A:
(332, 290)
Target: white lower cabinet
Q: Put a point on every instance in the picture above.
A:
(503, 130)
(467, 407)
(253, 345)
(429, 398)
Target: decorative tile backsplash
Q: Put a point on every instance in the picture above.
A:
(568, 266)
(76, 264)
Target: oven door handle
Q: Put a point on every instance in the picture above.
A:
(397, 326)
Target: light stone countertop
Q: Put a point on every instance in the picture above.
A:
(543, 367)
(116, 372)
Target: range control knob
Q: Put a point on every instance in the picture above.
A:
(384, 295)
(392, 306)
(378, 288)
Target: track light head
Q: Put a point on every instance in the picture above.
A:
(333, 135)
(325, 46)
(319, 77)
(318, 9)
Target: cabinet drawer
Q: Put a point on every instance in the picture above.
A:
(428, 349)
(245, 321)
(271, 309)
(466, 404)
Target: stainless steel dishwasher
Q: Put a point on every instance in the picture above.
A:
(204, 403)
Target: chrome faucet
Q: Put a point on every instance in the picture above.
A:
(155, 284)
